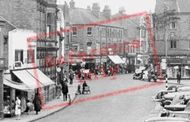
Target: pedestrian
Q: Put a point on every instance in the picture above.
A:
(71, 76)
(84, 85)
(64, 90)
(23, 103)
(178, 77)
(37, 103)
(18, 108)
(79, 89)
(58, 86)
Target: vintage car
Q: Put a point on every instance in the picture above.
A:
(170, 96)
(167, 119)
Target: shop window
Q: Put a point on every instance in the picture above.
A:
(19, 55)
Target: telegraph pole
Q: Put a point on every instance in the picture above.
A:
(2, 67)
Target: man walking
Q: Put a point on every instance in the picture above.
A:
(64, 90)
(71, 76)
(178, 77)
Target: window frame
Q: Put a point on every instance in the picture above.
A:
(89, 32)
(74, 31)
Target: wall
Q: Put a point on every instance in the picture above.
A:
(18, 41)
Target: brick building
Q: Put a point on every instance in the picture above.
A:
(176, 29)
(92, 39)
(5, 27)
(31, 16)
(39, 16)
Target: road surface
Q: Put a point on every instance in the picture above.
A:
(132, 106)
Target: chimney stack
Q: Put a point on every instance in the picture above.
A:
(107, 12)
(72, 4)
(96, 9)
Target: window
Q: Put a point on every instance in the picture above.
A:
(89, 31)
(172, 25)
(50, 24)
(173, 44)
(30, 56)
(74, 29)
(19, 55)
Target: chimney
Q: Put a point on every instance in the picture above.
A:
(88, 8)
(66, 12)
(122, 10)
(96, 9)
(107, 12)
(72, 4)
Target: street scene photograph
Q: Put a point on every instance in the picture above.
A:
(94, 60)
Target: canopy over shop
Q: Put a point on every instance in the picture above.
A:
(116, 59)
(28, 81)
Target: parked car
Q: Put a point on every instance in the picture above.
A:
(139, 73)
(170, 96)
(167, 119)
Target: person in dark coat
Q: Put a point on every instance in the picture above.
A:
(37, 103)
(64, 90)
(83, 86)
(178, 77)
(71, 76)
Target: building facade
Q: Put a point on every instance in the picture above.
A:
(40, 17)
(87, 39)
(172, 39)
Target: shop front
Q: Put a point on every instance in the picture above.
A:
(35, 79)
(11, 90)
(178, 64)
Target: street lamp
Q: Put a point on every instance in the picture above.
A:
(2, 67)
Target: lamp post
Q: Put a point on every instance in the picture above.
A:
(2, 68)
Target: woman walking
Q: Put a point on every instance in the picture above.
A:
(37, 103)
(18, 108)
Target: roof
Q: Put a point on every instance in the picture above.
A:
(3, 19)
(85, 16)
(184, 5)
(178, 5)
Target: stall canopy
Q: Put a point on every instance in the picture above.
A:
(40, 76)
(116, 59)
(8, 82)
(28, 79)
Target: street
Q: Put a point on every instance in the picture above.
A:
(134, 106)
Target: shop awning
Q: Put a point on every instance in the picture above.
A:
(40, 76)
(28, 79)
(8, 82)
(116, 59)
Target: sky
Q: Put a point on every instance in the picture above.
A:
(131, 6)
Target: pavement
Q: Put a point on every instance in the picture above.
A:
(49, 111)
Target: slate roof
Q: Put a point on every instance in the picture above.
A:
(3, 19)
(85, 16)
(178, 5)
(81, 16)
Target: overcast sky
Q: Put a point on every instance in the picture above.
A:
(131, 6)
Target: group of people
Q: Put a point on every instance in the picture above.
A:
(21, 105)
(62, 86)
(85, 88)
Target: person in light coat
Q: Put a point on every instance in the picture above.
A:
(18, 108)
